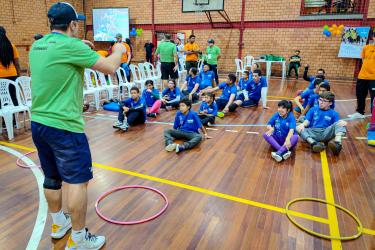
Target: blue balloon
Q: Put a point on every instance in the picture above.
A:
(327, 33)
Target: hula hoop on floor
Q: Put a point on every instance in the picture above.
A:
(21, 165)
(327, 237)
(130, 222)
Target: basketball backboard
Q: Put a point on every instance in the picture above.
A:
(202, 5)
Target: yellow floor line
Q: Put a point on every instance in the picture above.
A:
(201, 190)
(332, 216)
(280, 97)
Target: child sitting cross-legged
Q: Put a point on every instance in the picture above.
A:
(186, 127)
(281, 134)
(208, 109)
(152, 99)
(322, 124)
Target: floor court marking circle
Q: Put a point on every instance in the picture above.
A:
(103, 196)
(327, 237)
(21, 165)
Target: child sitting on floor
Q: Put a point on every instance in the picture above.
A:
(132, 111)
(208, 109)
(152, 99)
(191, 86)
(281, 134)
(322, 125)
(171, 96)
(207, 77)
(186, 127)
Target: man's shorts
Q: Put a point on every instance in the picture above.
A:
(63, 155)
(248, 103)
(167, 71)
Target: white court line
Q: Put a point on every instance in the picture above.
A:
(361, 138)
(254, 133)
(42, 208)
(232, 131)
(212, 129)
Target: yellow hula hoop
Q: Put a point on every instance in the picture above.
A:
(328, 237)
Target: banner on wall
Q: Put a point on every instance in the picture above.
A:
(353, 41)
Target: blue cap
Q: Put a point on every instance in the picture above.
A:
(63, 13)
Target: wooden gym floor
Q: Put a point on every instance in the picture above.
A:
(226, 194)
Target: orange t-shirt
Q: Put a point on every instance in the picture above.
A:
(11, 70)
(368, 67)
(124, 58)
(191, 57)
(102, 53)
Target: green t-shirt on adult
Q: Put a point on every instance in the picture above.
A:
(212, 54)
(57, 64)
(167, 51)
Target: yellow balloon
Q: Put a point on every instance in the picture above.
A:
(334, 26)
(341, 27)
(330, 29)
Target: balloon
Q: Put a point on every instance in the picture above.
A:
(341, 27)
(327, 33)
(139, 32)
(334, 26)
(331, 29)
(133, 32)
(326, 27)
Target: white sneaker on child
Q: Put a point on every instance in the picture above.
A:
(88, 242)
(117, 124)
(277, 157)
(287, 155)
(59, 231)
(171, 147)
(124, 127)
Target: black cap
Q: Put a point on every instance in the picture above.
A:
(63, 13)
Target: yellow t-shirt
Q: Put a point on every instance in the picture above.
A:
(11, 70)
(368, 67)
(191, 57)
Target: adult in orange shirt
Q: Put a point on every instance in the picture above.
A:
(366, 80)
(192, 52)
(9, 62)
(126, 57)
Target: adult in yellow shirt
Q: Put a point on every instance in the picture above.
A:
(366, 81)
(126, 57)
(9, 62)
(192, 52)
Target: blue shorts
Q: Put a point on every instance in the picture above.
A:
(63, 155)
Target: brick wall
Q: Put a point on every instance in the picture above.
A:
(261, 10)
(371, 10)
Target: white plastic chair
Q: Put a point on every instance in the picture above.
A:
(123, 83)
(181, 72)
(248, 61)
(200, 64)
(24, 83)
(239, 67)
(90, 88)
(8, 108)
(107, 84)
(137, 77)
(153, 74)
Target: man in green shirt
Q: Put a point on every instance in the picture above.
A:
(213, 55)
(57, 64)
(168, 58)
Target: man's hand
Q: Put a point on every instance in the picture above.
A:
(88, 43)
(226, 110)
(175, 68)
(119, 47)
(300, 128)
(270, 130)
(126, 109)
(149, 90)
(342, 123)
(206, 136)
(287, 144)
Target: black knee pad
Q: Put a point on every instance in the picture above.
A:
(52, 184)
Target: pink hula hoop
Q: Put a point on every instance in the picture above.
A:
(21, 165)
(130, 222)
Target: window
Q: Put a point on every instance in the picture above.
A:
(327, 7)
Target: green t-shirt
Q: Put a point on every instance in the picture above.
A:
(212, 54)
(167, 51)
(57, 64)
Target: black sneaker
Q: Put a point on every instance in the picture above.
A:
(335, 147)
(153, 115)
(318, 147)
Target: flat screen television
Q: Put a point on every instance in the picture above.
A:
(107, 22)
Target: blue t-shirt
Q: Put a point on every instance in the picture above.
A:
(305, 96)
(312, 81)
(187, 123)
(314, 101)
(319, 118)
(171, 94)
(242, 84)
(191, 81)
(227, 90)
(282, 125)
(255, 89)
(211, 109)
(207, 78)
(150, 98)
(140, 104)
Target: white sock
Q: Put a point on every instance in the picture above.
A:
(78, 235)
(58, 218)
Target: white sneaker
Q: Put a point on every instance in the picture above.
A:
(124, 127)
(209, 124)
(88, 242)
(277, 157)
(117, 124)
(287, 155)
(171, 147)
(356, 115)
(59, 231)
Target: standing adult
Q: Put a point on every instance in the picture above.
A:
(126, 57)
(149, 48)
(213, 55)
(366, 81)
(9, 63)
(168, 59)
(57, 63)
(192, 52)
(180, 54)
